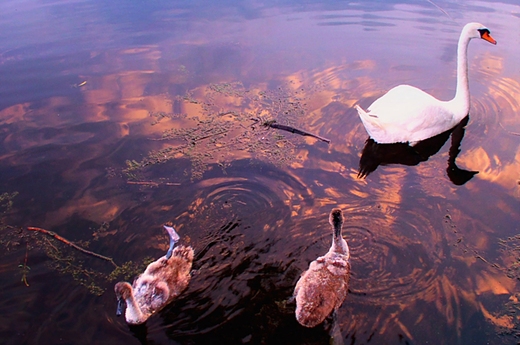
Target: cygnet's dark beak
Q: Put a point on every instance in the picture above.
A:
(121, 304)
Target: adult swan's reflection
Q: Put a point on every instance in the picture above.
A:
(375, 154)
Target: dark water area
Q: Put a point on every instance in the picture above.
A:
(119, 117)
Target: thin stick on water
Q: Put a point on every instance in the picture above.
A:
(153, 184)
(508, 131)
(273, 124)
(73, 245)
(440, 9)
(25, 269)
(297, 131)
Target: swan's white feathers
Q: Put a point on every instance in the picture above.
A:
(408, 114)
(415, 116)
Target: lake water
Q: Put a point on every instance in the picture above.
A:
(117, 117)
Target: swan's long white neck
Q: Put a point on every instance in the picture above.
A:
(460, 102)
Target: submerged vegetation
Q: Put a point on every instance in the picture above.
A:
(65, 257)
(69, 261)
(511, 247)
(10, 237)
(507, 318)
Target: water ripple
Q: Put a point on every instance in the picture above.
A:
(235, 222)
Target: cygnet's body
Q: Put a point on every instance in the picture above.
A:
(161, 282)
(323, 287)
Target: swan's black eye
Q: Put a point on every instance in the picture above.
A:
(483, 32)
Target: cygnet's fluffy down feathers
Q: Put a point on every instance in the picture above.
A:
(161, 282)
(323, 287)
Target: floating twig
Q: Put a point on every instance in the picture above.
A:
(273, 124)
(83, 83)
(75, 246)
(192, 141)
(154, 184)
(478, 256)
(440, 9)
(25, 269)
(508, 131)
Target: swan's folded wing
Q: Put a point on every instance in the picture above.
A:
(406, 114)
(401, 105)
(371, 123)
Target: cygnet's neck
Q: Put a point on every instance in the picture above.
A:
(339, 245)
(133, 312)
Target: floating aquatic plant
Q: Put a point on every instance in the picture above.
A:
(225, 122)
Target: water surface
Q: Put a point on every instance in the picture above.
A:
(117, 118)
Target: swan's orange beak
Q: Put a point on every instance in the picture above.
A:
(486, 36)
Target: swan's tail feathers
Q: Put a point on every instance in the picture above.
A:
(184, 252)
(362, 113)
(370, 121)
(174, 238)
(360, 110)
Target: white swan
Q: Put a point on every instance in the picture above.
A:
(161, 282)
(408, 114)
(323, 287)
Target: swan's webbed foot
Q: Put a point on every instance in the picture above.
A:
(174, 238)
(459, 176)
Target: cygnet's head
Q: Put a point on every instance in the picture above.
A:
(336, 217)
(123, 291)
